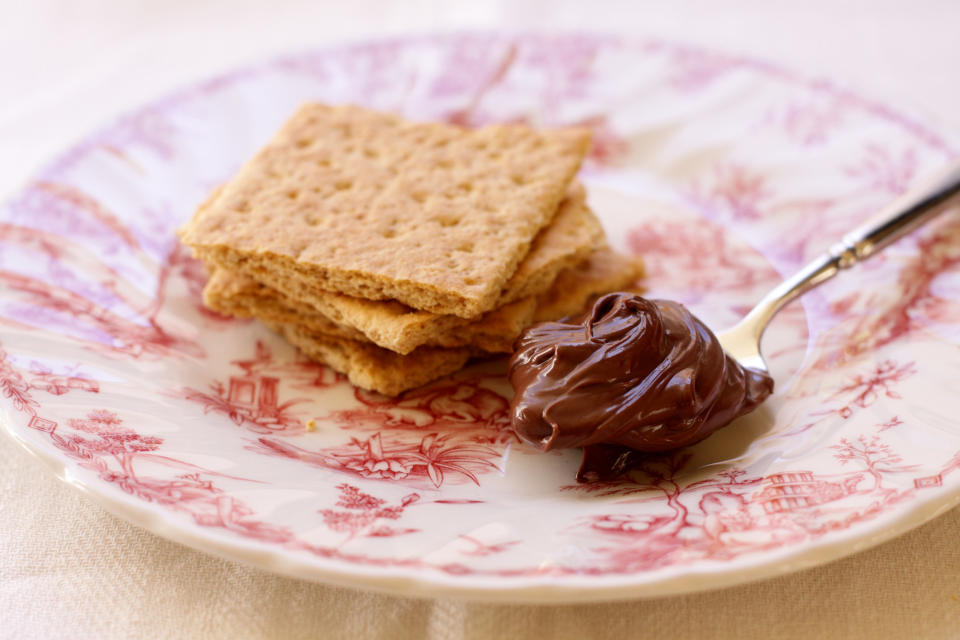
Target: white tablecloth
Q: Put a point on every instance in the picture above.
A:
(68, 569)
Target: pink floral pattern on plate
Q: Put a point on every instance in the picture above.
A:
(724, 173)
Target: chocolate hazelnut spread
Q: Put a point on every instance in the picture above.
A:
(627, 375)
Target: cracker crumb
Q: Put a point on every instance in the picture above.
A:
(311, 425)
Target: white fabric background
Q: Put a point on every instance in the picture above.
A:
(68, 569)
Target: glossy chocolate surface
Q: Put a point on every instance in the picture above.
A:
(643, 375)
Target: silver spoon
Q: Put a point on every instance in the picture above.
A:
(900, 217)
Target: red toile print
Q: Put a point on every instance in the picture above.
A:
(363, 514)
(51, 246)
(251, 398)
(741, 193)
(864, 390)
(103, 330)
(15, 387)
(465, 409)
(108, 437)
(249, 401)
(83, 206)
(895, 421)
(871, 321)
(59, 384)
(860, 391)
(696, 259)
(730, 514)
(876, 457)
(101, 443)
(692, 70)
(435, 458)
(101, 307)
(885, 170)
(811, 122)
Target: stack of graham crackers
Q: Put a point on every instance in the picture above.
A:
(396, 251)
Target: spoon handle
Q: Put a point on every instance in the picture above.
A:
(894, 221)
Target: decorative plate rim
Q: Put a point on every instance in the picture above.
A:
(537, 590)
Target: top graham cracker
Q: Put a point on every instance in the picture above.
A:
(369, 205)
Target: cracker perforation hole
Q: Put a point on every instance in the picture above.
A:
(448, 221)
(343, 185)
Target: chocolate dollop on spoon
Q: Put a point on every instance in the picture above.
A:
(627, 375)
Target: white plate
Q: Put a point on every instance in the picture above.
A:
(722, 172)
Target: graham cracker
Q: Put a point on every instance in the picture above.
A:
(568, 240)
(605, 271)
(494, 332)
(371, 367)
(238, 295)
(571, 237)
(363, 203)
